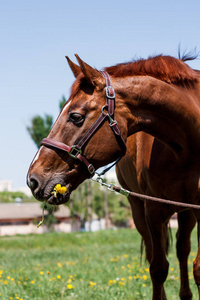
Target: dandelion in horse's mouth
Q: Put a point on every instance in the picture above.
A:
(58, 189)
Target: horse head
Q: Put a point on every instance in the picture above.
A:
(70, 154)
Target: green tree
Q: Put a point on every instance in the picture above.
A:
(117, 210)
(41, 126)
(62, 102)
(6, 196)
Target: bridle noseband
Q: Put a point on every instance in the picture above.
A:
(107, 111)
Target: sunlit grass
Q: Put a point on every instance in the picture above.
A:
(102, 265)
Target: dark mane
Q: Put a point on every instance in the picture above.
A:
(166, 68)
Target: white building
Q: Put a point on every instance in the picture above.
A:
(22, 218)
(6, 185)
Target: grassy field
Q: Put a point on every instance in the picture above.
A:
(102, 265)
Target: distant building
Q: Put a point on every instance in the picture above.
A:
(6, 185)
(22, 218)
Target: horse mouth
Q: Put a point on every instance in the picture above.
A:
(57, 199)
(49, 196)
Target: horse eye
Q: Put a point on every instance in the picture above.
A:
(76, 118)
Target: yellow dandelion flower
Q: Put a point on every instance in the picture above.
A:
(63, 190)
(58, 189)
(141, 271)
(59, 265)
(70, 286)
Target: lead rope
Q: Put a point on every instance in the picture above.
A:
(113, 188)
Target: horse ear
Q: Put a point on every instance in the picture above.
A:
(75, 68)
(93, 75)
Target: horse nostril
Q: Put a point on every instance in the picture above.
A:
(32, 183)
(35, 184)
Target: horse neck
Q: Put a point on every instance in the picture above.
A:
(167, 112)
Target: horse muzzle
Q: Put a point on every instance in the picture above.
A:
(44, 192)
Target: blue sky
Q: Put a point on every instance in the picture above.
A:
(36, 35)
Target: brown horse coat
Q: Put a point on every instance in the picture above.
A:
(157, 110)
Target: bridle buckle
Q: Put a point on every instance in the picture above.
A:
(74, 152)
(108, 95)
(91, 169)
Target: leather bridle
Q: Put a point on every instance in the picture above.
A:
(107, 112)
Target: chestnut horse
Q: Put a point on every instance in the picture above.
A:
(157, 100)
(144, 171)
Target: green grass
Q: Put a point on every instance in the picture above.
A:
(102, 265)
